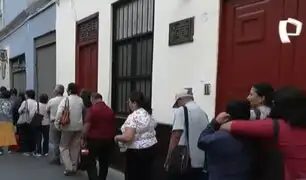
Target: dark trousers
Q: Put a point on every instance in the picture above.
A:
(42, 132)
(139, 163)
(101, 150)
(26, 138)
(191, 174)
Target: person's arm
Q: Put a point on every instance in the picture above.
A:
(59, 112)
(260, 128)
(130, 130)
(208, 136)
(21, 108)
(177, 131)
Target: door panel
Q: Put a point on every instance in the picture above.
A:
(298, 55)
(250, 48)
(46, 69)
(19, 81)
(88, 67)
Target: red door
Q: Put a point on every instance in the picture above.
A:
(87, 53)
(295, 52)
(250, 49)
(88, 67)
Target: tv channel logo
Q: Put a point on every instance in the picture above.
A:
(282, 29)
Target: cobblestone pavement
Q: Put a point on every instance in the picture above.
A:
(18, 167)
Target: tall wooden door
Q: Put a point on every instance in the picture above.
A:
(87, 53)
(250, 49)
(295, 59)
(88, 66)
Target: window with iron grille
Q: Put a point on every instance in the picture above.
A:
(133, 23)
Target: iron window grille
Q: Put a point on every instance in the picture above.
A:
(133, 24)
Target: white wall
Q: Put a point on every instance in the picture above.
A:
(188, 65)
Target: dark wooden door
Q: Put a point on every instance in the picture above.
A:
(87, 53)
(250, 49)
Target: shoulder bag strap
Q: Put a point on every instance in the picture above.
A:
(186, 124)
(275, 131)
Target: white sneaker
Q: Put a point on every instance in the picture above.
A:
(37, 155)
(1, 153)
(46, 154)
(10, 152)
(26, 154)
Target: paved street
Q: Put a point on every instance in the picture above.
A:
(16, 167)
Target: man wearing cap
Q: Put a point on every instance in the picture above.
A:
(198, 121)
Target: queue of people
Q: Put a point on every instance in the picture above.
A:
(259, 138)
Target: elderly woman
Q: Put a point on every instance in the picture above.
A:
(7, 134)
(283, 134)
(138, 137)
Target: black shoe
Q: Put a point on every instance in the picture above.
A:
(55, 162)
(69, 173)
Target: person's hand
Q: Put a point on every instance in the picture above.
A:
(226, 126)
(116, 138)
(222, 117)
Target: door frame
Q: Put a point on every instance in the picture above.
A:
(79, 45)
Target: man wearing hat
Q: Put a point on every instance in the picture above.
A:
(198, 121)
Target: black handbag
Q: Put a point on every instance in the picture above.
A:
(37, 118)
(179, 160)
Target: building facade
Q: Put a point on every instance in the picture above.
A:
(217, 48)
(28, 36)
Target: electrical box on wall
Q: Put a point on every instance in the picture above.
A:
(207, 89)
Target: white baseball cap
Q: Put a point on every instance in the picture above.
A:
(186, 92)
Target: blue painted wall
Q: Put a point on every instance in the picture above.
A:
(22, 40)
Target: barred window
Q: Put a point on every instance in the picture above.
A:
(132, 51)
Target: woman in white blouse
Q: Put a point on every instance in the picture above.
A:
(139, 138)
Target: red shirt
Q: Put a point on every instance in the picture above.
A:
(292, 143)
(102, 122)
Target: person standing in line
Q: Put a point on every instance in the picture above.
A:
(15, 104)
(261, 100)
(2, 89)
(55, 134)
(197, 120)
(26, 111)
(43, 130)
(70, 144)
(21, 128)
(7, 134)
(138, 138)
(99, 131)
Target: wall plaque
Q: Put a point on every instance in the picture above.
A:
(181, 31)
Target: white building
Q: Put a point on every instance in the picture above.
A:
(249, 50)
(174, 67)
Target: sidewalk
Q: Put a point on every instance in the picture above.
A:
(115, 175)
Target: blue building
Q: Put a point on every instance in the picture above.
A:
(27, 44)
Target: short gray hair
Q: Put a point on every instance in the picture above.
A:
(59, 89)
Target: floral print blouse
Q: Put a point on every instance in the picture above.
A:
(144, 125)
(5, 110)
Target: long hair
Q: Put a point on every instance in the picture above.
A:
(86, 97)
(290, 105)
